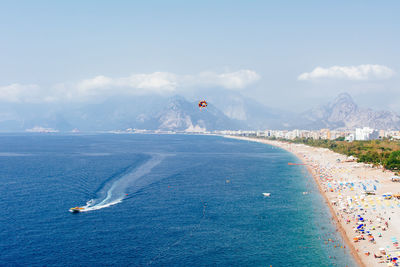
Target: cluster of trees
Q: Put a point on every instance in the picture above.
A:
(378, 152)
(393, 161)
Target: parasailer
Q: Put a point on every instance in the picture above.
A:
(202, 104)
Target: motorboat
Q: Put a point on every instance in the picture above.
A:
(76, 209)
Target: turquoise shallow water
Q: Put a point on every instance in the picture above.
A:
(159, 200)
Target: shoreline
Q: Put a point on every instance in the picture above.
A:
(352, 248)
(322, 162)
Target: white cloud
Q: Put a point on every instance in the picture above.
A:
(357, 73)
(101, 86)
(157, 81)
(239, 79)
(167, 82)
(96, 82)
(230, 80)
(19, 92)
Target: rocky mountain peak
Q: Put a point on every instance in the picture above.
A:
(343, 97)
(175, 102)
(343, 112)
(341, 108)
(180, 114)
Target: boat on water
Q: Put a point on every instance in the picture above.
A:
(266, 194)
(76, 209)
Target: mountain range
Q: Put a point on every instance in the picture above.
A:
(226, 110)
(344, 113)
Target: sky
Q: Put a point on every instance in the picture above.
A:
(285, 54)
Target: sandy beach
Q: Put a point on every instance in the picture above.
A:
(369, 223)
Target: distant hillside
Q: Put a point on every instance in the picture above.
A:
(142, 112)
(179, 114)
(255, 115)
(226, 110)
(343, 112)
(152, 113)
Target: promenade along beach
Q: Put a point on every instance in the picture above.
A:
(363, 201)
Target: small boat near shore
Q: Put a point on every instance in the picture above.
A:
(266, 194)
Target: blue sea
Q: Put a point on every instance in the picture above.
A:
(159, 200)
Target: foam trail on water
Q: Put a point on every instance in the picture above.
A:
(113, 192)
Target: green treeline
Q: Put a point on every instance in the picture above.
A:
(378, 152)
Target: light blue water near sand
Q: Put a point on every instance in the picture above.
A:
(159, 200)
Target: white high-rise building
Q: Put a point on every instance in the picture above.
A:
(366, 133)
(350, 137)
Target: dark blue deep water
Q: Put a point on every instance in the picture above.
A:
(159, 200)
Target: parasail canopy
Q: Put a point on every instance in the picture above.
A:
(202, 104)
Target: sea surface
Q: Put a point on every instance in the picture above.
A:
(159, 200)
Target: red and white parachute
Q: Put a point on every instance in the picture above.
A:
(202, 104)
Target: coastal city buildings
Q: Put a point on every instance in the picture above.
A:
(357, 134)
(362, 134)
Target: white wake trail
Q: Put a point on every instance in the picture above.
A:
(114, 191)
